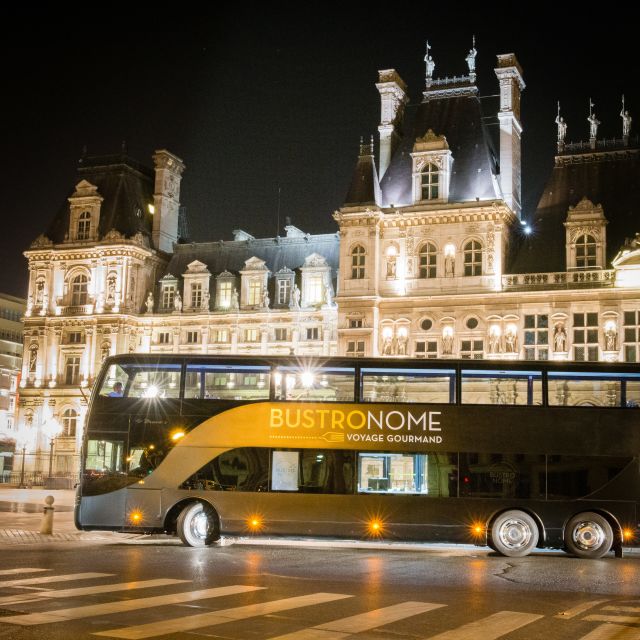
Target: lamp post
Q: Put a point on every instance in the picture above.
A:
(21, 443)
(52, 429)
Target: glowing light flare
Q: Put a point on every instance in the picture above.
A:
(136, 516)
(151, 391)
(449, 251)
(307, 379)
(628, 535)
(176, 435)
(477, 529)
(255, 523)
(387, 332)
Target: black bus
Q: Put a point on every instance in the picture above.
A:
(514, 455)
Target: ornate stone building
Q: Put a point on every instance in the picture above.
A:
(433, 259)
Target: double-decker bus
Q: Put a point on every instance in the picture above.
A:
(514, 455)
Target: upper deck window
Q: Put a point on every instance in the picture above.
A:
(501, 387)
(408, 385)
(321, 384)
(142, 381)
(227, 382)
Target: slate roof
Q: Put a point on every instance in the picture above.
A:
(127, 188)
(609, 178)
(365, 187)
(277, 253)
(460, 120)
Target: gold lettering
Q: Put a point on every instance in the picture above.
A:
(337, 419)
(276, 417)
(289, 422)
(322, 413)
(350, 422)
(388, 420)
(307, 419)
(432, 422)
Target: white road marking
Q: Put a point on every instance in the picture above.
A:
(188, 623)
(75, 613)
(495, 626)
(337, 629)
(577, 610)
(622, 608)
(12, 572)
(624, 619)
(47, 579)
(612, 632)
(87, 591)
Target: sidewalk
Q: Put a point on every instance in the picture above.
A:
(21, 513)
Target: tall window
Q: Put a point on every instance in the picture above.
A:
(585, 252)
(536, 337)
(585, 336)
(429, 181)
(428, 256)
(196, 295)
(473, 258)
(168, 296)
(314, 289)
(255, 292)
(284, 291)
(355, 348)
(471, 349)
(357, 262)
(84, 226)
(72, 370)
(69, 423)
(224, 295)
(631, 336)
(79, 290)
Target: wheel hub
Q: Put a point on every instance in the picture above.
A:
(199, 525)
(588, 535)
(515, 534)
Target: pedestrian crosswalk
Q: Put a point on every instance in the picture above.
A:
(38, 601)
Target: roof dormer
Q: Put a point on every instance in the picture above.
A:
(431, 169)
(84, 213)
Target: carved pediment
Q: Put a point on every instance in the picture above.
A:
(585, 209)
(225, 274)
(285, 271)
(315, 260)
(84, 189)
(431, 142)
(255, 264)
(168, 279)
(40, 242)
(197, 267)
(140, 239)
(113, 235)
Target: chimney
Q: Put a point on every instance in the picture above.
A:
(509, 76)
(393, 97)
(166, 199)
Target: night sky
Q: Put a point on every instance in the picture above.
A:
(266, 107)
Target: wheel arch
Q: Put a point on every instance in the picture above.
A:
(171, 517)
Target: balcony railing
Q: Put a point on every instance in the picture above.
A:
(559, 280)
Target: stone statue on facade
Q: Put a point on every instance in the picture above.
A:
(235, 300)
(494, 342)
(626, 121)
(328, 298)
(177, 302)
(402, 345)
(449, 266)
(559, 338)
(562, 128)
(387, 346)
(471, 58)
(594, 123)
(511, 342)
(447, 344)
(431, 65)
(149, 302)
(206, 297)
(295, 297)
(610, 338)
(265, 299)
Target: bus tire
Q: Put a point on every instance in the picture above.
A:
(588, 535)
(514, 534)
(197, 525)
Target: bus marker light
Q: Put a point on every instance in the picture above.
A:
(135, 517)
(255, 523)
(477, 529)
(627, 535)
(176, 435)
(376, 527)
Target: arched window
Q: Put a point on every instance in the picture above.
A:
(69, 423)
(84, 226)
(430, 182)
(357, 262)
(428, 255)
(473, 258)
(585, 252)
(79, 290)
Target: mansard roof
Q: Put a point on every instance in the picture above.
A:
(460, 120)
(277, 253)
(127, 188)
(610, 178)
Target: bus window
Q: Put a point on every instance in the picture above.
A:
(227, 382)
(408, 385)
(633, 393)
(153, 381)
(319, 384)
(579, 476)
(498, 475)
(501, 387)
(432, 474)
(114, 382)
(324, 471)
(586, 389)
(104, 464)
(243, 469)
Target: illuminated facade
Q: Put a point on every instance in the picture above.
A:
(432, 260)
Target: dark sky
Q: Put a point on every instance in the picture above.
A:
(267, 101)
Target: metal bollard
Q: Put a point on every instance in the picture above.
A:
(46, 526)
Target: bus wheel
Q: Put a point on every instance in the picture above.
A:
(514, 534)
(588, 535)
(197, 525)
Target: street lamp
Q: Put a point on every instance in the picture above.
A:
(22, 439)
(52, 429)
